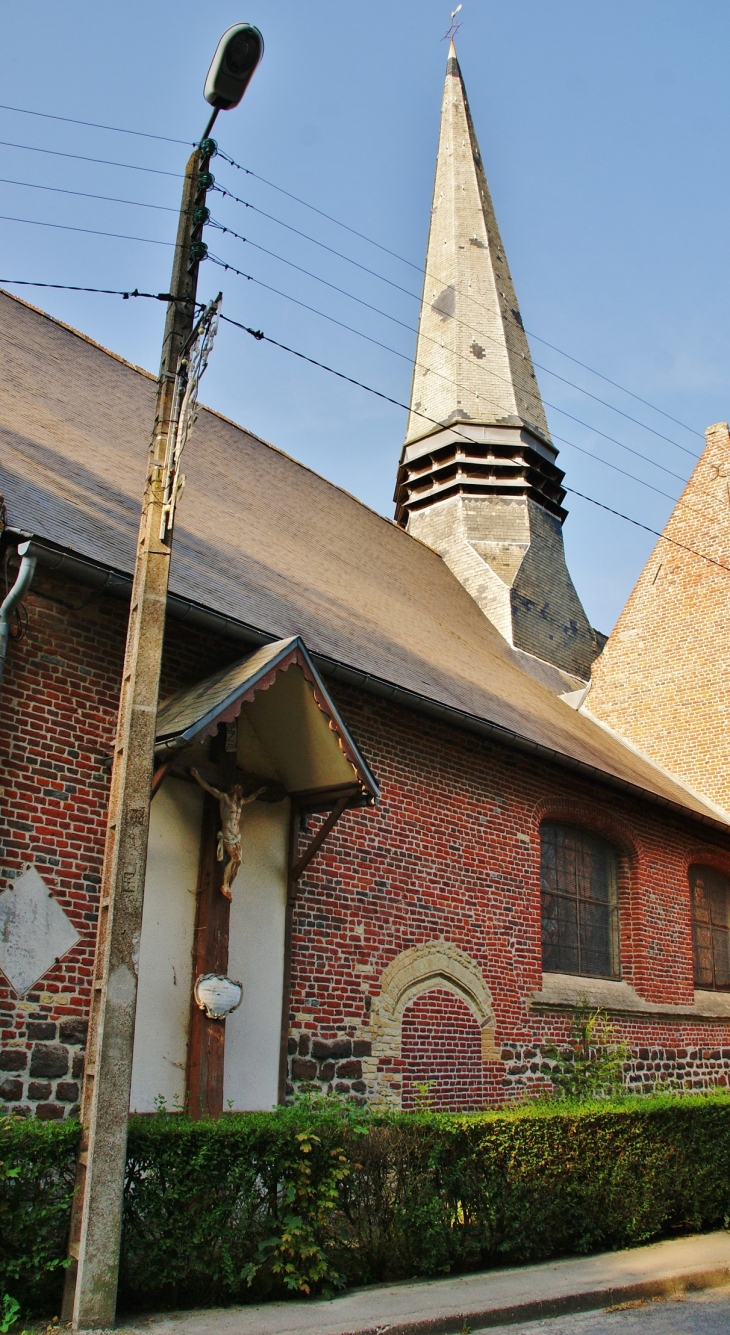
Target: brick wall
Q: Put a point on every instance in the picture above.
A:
(661, 680)
(58, 709)
(441, 1053)
(57, 718)
(449, 862)
(453, 854)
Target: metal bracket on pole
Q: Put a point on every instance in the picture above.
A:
(190, 370)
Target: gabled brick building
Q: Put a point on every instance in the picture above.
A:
(661, 680)
(499, 858)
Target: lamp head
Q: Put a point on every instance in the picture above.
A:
(236, 57)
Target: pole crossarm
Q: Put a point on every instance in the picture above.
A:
(95, 1236)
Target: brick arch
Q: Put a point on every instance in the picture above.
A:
(574, 811)
(433, 965)
(707, 856)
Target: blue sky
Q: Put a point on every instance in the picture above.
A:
(604, 133)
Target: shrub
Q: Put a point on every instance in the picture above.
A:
(315, 1196)
(590, 1064)
(37, 1170)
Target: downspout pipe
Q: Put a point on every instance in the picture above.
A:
(22, 583)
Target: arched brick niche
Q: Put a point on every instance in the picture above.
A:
(433, 967)
(441, 1051)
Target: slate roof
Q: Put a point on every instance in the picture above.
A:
(195, 710)
(265, 541)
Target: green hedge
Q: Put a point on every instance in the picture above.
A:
(258, 1205)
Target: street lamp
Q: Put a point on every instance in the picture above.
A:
(231, 69)
(95, 1236)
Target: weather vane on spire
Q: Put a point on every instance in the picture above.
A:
(454, 27)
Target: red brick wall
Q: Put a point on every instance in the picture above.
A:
(441, 1052)
(452, 852)
(57, 717)
(58, 707)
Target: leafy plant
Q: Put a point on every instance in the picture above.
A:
(423, 1098)
(308, 1198)
(37, 1171)
(590, 1065)
(10, 1313)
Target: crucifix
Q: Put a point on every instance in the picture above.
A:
(231, 805)
(220, 860)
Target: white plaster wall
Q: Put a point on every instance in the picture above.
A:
(256, 958)
(165, 962)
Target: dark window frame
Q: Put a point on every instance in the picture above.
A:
(579, 881)
(710, 935)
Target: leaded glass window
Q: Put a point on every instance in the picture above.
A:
(579, 903)
(711, 927)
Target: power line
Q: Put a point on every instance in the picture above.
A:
(170, 209)
(295, 300)
(316, 277)
(90, 231)
(353, 230)
(105, 291)
(80, 157)
(615, 384)
(471, 328)
(260, 336)
(221, 190)
(84, 194)
(322, 213)
(166, 296)
(385, 347)
(117, 129)
(93, 125)
(394, 254)
(377, 310)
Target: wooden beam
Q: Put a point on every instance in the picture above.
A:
(323, 799)
(319, 838)
(206, 1038)
(160, 775)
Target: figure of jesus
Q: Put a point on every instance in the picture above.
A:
(231, 805)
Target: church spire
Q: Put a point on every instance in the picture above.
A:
(478, 478)
(472, 359)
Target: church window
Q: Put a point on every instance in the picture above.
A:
(579, 879)
(711, 927)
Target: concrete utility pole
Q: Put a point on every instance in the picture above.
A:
(91, 1278)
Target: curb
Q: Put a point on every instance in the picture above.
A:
(539, 1308)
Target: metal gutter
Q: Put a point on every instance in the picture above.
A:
(118, 584)
(23, 580)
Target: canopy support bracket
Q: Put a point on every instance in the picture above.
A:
(300, 867)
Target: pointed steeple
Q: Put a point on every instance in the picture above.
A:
(478, 478)
(472, 358)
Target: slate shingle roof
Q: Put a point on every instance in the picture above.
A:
(262, 539)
